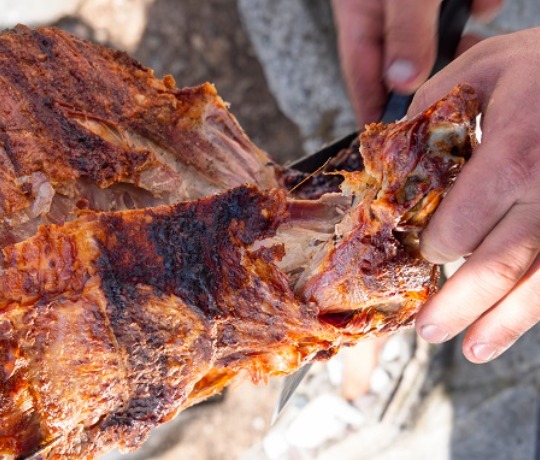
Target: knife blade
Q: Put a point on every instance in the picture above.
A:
(453, 16)
(290, 384)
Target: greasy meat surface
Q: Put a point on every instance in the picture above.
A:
(82, 126)
(372, 267)
(155, 298)
(175, 260)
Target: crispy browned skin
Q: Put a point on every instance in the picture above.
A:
(112, 322)
(84, 126)
(124, 313)
(372, 277)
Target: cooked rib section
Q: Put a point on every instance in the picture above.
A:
(369, 277)
(114, 322)
(83, 126)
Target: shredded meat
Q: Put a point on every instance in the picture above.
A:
(152, 254)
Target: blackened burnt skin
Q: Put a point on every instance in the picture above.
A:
(152, 254)
(83, 123)
(193, 250)
(184, 299)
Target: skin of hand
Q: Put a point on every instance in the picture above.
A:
(389, 45)
(492, 213)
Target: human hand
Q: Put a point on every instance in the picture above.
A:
(492, 213)
(390, 44)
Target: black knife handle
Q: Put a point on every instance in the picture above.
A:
(396, 107)
(452, 19)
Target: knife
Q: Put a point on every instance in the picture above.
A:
(452, 19)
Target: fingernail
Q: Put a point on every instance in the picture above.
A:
(401, 71)
(433, 334)
(483, 352)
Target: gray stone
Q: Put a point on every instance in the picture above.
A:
(32, 12)
(294, 41)
(363, 445)
(518, 364)
(501, 428)
(325, 418)
(120, 22)
(515, 15)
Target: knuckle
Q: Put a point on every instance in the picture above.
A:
(527, 314)
(508, 272)
(512, 159)
(458, 320)
(518, 170)
(507, 334)
(498, 277)
(487, 52)
(517, 175)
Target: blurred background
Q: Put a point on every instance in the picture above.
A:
(275, 61)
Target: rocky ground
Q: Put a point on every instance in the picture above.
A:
(275, 61)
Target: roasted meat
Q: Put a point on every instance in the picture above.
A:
(152, 253)
(83, 126)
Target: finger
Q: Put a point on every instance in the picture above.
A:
(501, 326)
(410, 42)
(479, 67)
(473, 207)
(503, 169)
(360, 28)
(485, 66)
(486, 10)
(486, 277)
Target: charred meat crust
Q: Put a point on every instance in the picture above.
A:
(79, 114)
(113, 322)
(191, 252)
(179, 295)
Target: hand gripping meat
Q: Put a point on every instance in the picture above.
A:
(152, 254)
